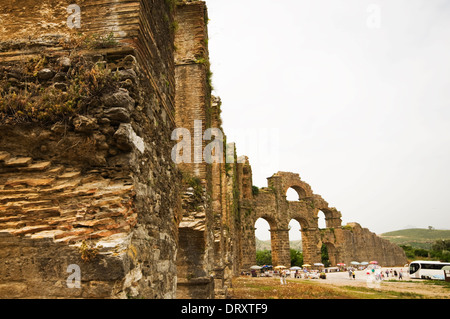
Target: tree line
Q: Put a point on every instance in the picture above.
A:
(264, 257)
(440, 251)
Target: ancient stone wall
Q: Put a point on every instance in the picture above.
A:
(195, 259)
(86, 176)
(205, 258)
(223, 225)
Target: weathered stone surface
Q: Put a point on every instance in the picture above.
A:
(118, 115)
(65, 63)
(127, 74)
(18, 162)
(59, 185)
(45, 74)
(29, 182)
(84, 124)
(119, 99)
(60, 86)
(126, 139)
(4, 156)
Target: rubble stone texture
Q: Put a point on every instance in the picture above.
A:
(86, 120)
(86, 170)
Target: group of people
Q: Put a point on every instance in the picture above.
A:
(298, 274)
(285, 273)
(393, 273)
(309, 274)
(352, 273)
(373, 272)
(378, 273)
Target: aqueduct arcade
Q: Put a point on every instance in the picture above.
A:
(271, 204)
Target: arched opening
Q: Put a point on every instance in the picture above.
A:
(321, 223)
(262, 229)
(291, 195)
(263, 242)
(329, 255)
(294, 230)
(295, 193)
(295, 243)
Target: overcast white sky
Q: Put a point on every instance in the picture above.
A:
(353, 95)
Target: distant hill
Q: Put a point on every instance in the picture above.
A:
(265, 244)
(416, 237)
(262, 244)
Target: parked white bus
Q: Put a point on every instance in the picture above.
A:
(424, 269)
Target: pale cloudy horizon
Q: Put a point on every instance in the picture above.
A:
(352, 95)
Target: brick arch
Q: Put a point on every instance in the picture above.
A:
(303, 189)
(269, 219)
(301, 192)
(304, 222)
(279, 237)
(332, 215)
(282, 181)
(326, 211)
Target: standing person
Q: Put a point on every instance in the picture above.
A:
(283, 277)
(350, 273)
(354, 275)
(400, 275)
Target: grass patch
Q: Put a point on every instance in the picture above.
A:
(369, 293)
(270, 288)
(439, 283)
(33, 101)
(444, 284)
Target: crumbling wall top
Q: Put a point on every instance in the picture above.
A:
(29, 19)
